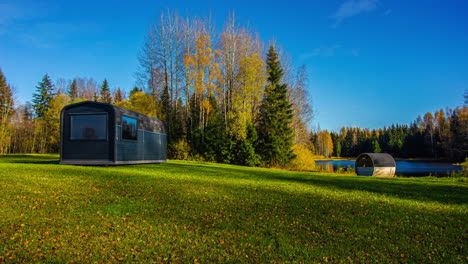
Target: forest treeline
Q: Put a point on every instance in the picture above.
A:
(442, 135)
(225, 97)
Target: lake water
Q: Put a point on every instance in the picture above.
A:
(403, 168)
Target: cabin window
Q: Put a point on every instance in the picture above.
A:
(129, 128)
(365, 161)
(88, 127)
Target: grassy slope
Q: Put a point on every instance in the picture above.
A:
(202, 212)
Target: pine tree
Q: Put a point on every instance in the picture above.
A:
(41, 99)
(166, 106)
(336, 144)
(275, 133)
(73, 90)
(118, 95)
(105, 96)
(6, 98)
(6, 111)
(459, 134)
(244, 150)
(375, 146)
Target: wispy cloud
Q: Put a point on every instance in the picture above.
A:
(29, 24)
(324, 51)
(13, 13)
(9, 13)
(388, 12)
(352, 8)
(53, 34)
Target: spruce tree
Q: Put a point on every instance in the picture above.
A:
(274, 132)
(244, 150)
(6, 98)
(105, 93)
(166, 106)
(73, 90)
(118, 95)
(44, 94)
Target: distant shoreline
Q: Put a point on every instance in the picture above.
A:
(398, 159)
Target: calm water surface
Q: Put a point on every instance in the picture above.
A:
(403, 168)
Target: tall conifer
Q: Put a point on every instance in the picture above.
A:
(6, 98)
(105, 93)
(44, 94)
(73, 90)
(274, 131)
(6, 111)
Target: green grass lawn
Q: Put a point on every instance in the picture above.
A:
(202, 212)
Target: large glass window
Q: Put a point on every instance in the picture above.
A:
(88, 127)
(129, 128)
(365, 161)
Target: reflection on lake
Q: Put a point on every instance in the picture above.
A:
(403, 168)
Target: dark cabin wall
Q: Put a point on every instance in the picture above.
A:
(88, 149)
(149, 147)
(151, 143)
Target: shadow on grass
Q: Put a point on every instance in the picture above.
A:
(266, 224)
(29, 159)
(418, 189)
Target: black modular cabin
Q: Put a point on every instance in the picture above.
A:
(95, 133)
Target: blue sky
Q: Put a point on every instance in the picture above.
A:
(371, 63)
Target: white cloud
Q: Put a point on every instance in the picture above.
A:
(388, 12)
(324, 51)
(352, 8)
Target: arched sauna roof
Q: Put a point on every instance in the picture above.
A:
(375, 160)
(146, 122)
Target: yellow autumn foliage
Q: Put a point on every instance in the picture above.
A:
(304, 158)
(143, 103)
(246, 98)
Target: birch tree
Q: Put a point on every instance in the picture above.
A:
(202, 76)
(246, 97)
(302, 109)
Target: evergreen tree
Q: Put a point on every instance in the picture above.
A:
(105, 95)
(212, 144)
(6, 98)
(375, 146)
(165, 102)
(73, 90)
(6, 111)
(459, 134)
(118, 95)
(44, 94)
(336, 144)
(135, 89)
(244, 150)
(274, 131)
